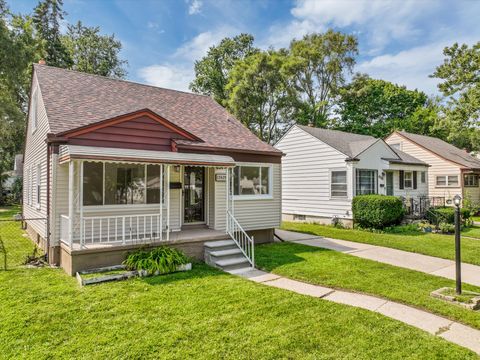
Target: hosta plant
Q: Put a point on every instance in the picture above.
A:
(161, 260)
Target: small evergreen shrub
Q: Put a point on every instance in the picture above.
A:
(162, 260)
(446, 214)
(377, 211)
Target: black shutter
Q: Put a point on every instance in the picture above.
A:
(414, 180)
(401, 176)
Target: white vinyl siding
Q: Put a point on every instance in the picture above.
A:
(306, 176)
(36, 160)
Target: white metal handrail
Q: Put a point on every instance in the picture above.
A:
(241, 238)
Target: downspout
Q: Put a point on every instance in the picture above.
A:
(53, 144)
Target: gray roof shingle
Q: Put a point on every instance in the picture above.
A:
(443, 149)
(75, 99)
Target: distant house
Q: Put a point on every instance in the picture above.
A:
(324, 169)
(11, 176)
(453, 171)
(112, 166)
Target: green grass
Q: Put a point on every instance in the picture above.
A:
(473, 231)
(437, 245)
(465, 297)
(475, 218)
(201, 314)
(338, 270)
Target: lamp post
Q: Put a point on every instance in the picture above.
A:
(457, 200)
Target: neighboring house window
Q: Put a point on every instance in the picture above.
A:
(396, 146)
(119, 184)
(33, 110)
(338, 184)
(470, 180)
(251, 180)
(37, 183)
(366, 182)
(447, 180)
(423, 177)
(408, 180)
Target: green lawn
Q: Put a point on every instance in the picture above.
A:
(473, 231)
(203, 314)
(338, 270)
(441, 246)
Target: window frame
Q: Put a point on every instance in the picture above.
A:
(375, 181)
(447, 181)
(475, 183)
(34, 110)
(145, 204)
(38, 187)
(405, 180)
(268, 196)
(332, 183)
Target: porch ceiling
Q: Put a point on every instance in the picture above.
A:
(145, 156)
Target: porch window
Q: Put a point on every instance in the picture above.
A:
(470, 180)
(252, 181)
(447, 180)
(366, 182)
(338, 184)
(423, 177)
(120, 184)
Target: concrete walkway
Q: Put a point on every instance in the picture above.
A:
(436, 325)
(424, 263)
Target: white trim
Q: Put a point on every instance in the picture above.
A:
(331, 197)
(268, 196)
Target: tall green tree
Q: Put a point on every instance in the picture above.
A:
(92, 52)
(317, 67)
(212, 71)
(47, 16)
(377, 107)
(258, 94)
(460, 75)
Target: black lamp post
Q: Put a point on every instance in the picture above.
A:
(457, 200)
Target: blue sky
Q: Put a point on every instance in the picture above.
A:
(400, 41)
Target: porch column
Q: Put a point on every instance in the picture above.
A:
(71, 169)
(168, 202)
(162, 197)
(80, 201)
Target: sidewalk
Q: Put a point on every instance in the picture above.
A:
(436, 325)
(424, 263)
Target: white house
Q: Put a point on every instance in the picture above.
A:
(112, 165)
(453, 171)
(324, 169)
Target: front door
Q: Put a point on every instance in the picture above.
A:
(389, 183)
(194, 194)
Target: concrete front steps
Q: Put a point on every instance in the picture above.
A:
(225, 255)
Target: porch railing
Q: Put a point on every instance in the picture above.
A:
(241, 238)
(64, 229)
(123, 229)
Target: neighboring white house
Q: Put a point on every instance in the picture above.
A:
(324, 169)
(112, 165)
(453, 171)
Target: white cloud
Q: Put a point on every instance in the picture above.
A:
(199, 45)
(178, 72)
(380, 20)
(169, 76)
(411, 67)
(195, 7)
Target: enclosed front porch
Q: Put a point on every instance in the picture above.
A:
(114, 202)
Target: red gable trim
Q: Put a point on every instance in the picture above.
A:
(126, 117)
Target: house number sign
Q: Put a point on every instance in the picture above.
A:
(220, 177)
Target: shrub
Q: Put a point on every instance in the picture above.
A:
(446, 215)
(377, 211)
(446, 228)
(162, 260)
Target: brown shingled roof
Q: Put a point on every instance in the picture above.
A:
(443, 149)
(74, 99)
